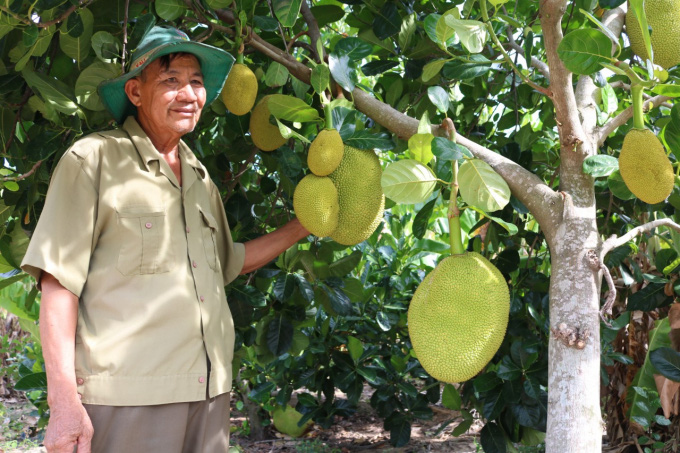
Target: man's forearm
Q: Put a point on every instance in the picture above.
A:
(262, 250)
(58, 319)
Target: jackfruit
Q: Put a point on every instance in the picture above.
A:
(360, 194)
(325, 152)
(286, 421)
(458, 317)
(663, 16)
(240, 90)
(265, 135)
(316, 205)
(644, 166)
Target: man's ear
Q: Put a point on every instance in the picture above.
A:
(133, 91)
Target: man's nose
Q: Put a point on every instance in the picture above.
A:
(187, 93)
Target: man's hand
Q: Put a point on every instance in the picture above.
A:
(69, 425)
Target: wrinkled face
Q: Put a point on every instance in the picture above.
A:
(169, 100)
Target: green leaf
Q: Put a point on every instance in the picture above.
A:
(74, 25)
(613, 38)
(35, 381)
(600, 165)
(422, 219)
(277, 75)
(668, 89)
(248, 294)
(169, 9)
(354, 48)
(320, 78)
(105, 46)
(219, 4)
(408, 181)
(341, 71)
(365, 139)
(279, 335)
(383, 321)
(463, 70)
(431, 69)
(345, 265)
(439, 97)
(447, 150)
(284, 285)
(52, 91)
(667, 362)
(618, 187)
(493, 439)
(30, 34)
(89, 80)
(326, 14)
(355, 347)
(636, 8)
(287, 132)
(472, 33)
(387, 22)
(671, 132)
(77, 48)
(649, 298)
(290, 108)
(400, 429)
(582, 51)
(420, 147)
(482, 187)
(376, 67)
(451, 398)
(464, 425)
(287, 11)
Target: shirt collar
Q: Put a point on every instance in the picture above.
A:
(149, 153)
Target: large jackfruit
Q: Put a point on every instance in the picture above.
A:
(663, 16)
(265, 135)
(644, 166)
(325, 152)
(360, 194)
(316, 205)
(240, 90)
(286, 420)
(458, 317)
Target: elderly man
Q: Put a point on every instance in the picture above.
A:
(132, 253)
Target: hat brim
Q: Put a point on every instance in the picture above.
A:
(215, 66)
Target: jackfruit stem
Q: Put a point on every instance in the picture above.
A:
(239, 58)
(328, 113)
(455, 236)
(638, 102)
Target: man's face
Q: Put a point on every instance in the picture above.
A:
(169, 101)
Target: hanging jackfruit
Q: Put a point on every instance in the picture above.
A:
(265, 135)
(644, 166)
(458, 317)
(316, 205)
(663, 16)
(240, 90)
(325, 152)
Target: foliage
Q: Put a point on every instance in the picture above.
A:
(324, 317)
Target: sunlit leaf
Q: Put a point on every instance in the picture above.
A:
(482, 187)
(408, 181)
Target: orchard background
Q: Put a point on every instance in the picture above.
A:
(538, 90)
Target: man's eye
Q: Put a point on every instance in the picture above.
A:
(171, 79)
(197, 82)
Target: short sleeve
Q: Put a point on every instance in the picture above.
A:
(63, 238)
(232, 254)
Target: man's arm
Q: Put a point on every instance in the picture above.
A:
(69, 423)
(262, 250)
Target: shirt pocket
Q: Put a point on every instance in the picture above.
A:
(209, 230)
(146, 247)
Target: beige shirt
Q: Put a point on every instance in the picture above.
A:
(148, 260)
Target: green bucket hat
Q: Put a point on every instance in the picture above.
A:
(215, 66)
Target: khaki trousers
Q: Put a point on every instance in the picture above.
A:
(195, 427)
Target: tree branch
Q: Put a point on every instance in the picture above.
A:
(313, 28)
(25, 175)
(622, 118)
(544, 203)
(614, 241)
(535, 62)
(564, 99)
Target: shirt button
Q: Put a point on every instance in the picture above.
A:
(148, 225)
(80, 381)
(188, 230)
(201, 379)
(194, 263)
(202, 298)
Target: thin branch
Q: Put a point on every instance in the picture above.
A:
(25, 175)
(49, 23)
(597, 265)
(312, 27)
(535, 62)
(622, 118)
(614, 241)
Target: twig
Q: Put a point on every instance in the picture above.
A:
(614, 241)
(296, 37)
(535, 62)
(25, 175)
(597, 265)
(622, 118)
(49, 23)
(313, 27)
(281, 30)
(125, 26)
